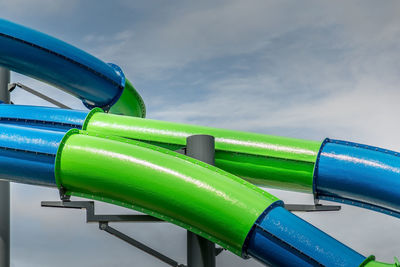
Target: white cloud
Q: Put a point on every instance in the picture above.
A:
(17, 8)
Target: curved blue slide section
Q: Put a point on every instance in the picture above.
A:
(48, 59)
(279, 238)
(359, 175)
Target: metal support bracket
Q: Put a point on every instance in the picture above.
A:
(112, 231)
(104, 220)
(311, 208)
(63, 196)
(181, 151)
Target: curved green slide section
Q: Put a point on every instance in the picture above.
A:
(161, 183)
(264, 160)
(130, 103)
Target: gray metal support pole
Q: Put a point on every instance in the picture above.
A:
(200, 251)
(4, 81)
(4, 186)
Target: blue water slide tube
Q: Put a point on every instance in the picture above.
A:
(66, 67)
(280, 238)
(55, 119)
(27, 155)
(359, 175)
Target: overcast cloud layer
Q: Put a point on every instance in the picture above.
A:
(308, 69)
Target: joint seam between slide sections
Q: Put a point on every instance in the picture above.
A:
(89, 116)
(315, 172)
(278, 203)
(58, 156)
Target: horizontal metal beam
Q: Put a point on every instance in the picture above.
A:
(92, 217)
(311, 208)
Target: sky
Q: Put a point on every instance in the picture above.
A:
(304, 69)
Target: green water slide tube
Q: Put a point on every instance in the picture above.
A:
(264, 160)
(162, 183)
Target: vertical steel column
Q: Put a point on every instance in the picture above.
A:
(4, 186)
(200, 251)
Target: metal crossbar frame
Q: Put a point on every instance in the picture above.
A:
(104, 220)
